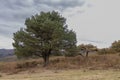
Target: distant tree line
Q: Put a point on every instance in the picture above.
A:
(114, 48)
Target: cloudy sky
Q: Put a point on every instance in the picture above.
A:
(94, 21)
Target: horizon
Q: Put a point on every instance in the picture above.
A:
(95, 22)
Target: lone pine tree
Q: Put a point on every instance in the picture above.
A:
(44, 33)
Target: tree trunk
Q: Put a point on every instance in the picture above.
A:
(87, 53)
(46, 58)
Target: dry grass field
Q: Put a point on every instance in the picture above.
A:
(95, 67)
(65, 75)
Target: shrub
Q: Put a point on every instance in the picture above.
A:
(71, 52)
(57, 53)
(67, 54)
(119, 54)
(106, 51)
(116, 46)
(27, 64)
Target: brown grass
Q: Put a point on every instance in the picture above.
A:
(79, 74)
(94, 62)
(0, 75)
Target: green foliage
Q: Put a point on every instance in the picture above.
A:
(87, 46)
(44, 33)
(106, 51)
(71, 52)
(103, 51)
(20, 40)
(116, 46)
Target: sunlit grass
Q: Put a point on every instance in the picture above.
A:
(66, 75)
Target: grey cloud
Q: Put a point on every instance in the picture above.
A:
(89, 5)
(14, 12)
(92, 41)
(7, 30)
(16, 4)
(20, 9)
(63, 4)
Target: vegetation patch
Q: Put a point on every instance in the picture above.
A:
(0, 75)
(93, 62)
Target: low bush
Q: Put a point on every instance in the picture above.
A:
(92, 62)
(106, 51)
(0, 75)
(27, 64)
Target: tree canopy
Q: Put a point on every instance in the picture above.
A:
(44, 33)
(116, 46)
